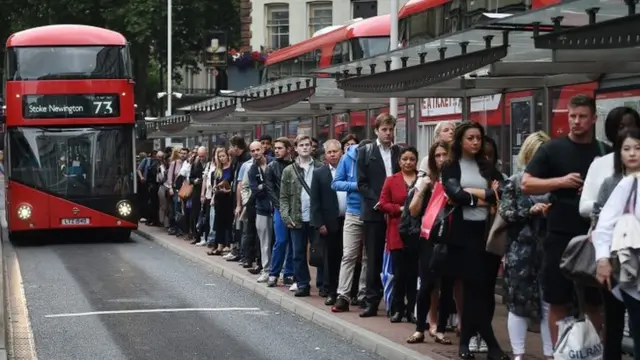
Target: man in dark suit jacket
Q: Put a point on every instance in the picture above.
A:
(328, 208)
(375, 163)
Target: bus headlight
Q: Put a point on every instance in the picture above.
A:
(24, 212)
(124, 208)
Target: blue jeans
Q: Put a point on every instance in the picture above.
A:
(211, 239)
(282, 253)
(300, 239)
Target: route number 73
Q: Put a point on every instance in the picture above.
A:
(103, 107)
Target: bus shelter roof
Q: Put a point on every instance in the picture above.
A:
(502, 56)
(282, 100)
(184, 125)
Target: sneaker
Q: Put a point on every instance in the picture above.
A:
(288, 280)
(482, 345)
(272, 281)
(264, 277)
(202, 243)
(294, 287)
(473, 344)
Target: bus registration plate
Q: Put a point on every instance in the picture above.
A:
(75, 221)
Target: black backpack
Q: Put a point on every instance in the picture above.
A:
(409, 225)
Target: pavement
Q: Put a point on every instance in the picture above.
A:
(89, 299)
(376, 335)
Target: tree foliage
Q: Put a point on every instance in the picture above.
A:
(143, 22)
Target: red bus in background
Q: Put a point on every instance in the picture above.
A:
(70, 121)
(357, 40)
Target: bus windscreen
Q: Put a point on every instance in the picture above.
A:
(73, 162)
(67, 63)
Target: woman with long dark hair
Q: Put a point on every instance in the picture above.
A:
(430, 276)
(604, 174)
(472, 183)
(615, 193)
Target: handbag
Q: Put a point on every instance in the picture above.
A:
(441, 230)
(578, 262)
(436, 204)
(498, 236)
(317, 251)
(409, 225)
(185, 190)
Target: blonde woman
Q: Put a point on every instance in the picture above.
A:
(522, 260)
(443, 132)
(222, 202)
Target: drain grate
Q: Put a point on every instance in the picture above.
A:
(20, 340)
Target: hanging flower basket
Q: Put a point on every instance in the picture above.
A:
(246, 59)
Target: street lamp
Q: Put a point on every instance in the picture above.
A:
(169, 56)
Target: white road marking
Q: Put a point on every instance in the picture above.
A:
(146, 311)
(209, 284)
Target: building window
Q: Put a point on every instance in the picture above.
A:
(364, 9)
(277, 26)
(320, 16)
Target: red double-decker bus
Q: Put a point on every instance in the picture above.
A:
(70, 131)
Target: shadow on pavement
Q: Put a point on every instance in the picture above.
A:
(68, 237)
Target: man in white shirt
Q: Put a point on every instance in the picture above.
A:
(375, 163)
(328, 209)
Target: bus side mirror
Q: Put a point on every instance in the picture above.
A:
(141, 130)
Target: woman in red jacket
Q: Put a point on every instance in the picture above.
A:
(404, 258)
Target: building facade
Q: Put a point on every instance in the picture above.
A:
(277, 24)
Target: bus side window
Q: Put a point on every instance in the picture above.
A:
(337, 54)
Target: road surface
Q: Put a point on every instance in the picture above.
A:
(137, 300)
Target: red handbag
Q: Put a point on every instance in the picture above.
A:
(437, 202)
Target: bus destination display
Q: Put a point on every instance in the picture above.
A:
(71, 106)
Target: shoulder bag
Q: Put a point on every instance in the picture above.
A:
(301, 179)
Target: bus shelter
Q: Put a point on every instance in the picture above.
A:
(307, 102)
(574, 42)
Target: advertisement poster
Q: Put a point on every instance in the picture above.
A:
(608, 100)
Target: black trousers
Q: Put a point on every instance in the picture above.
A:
(196, 209)
(152, 204)
(332, 260)
(405, 276)
(374, 241)
(430, 277)
(249, 244)
(614, 311)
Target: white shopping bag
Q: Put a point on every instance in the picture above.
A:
(578, 340)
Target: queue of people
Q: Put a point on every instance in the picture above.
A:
(280, 208)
